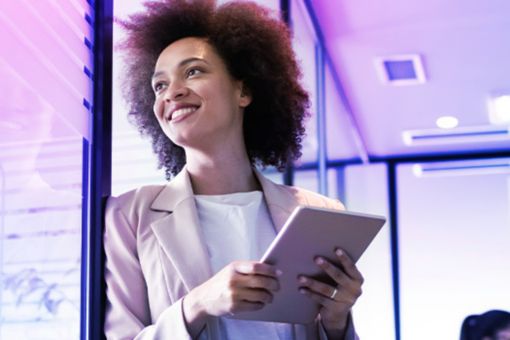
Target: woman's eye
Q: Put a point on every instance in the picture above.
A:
(193, 71)
(158, 87)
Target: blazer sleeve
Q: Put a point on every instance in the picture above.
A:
(350, 333)
(127, 313)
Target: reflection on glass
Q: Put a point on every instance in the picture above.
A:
(40, 195)
(40, 178)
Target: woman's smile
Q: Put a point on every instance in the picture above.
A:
(180, 113)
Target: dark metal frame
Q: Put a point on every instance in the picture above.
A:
(98, 184)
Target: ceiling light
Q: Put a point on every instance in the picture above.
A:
(447, 122)
(465, 134)
(400, 70)
(499, 109)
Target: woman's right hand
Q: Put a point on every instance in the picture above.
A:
(239, 287)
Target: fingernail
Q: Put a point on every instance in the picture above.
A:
(302, 291)
(319, 260)
(339, 252)
(303, 279)
(279, 272)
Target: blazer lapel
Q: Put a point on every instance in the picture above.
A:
(281, 200)
(179, 233)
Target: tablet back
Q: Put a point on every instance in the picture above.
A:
(310, 232)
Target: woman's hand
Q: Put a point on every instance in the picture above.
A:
(335, 301)
(239, 287)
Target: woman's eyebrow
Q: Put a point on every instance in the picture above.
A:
(181, 64)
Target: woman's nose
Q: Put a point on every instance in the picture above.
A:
(176, 91)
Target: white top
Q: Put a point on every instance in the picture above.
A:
(238, 227)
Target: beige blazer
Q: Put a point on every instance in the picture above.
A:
(156, 254)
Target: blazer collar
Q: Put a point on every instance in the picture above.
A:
(179, 232)
(281, 200)
(176, 191)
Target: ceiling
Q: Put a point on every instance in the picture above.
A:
(463, 46)
(465, 52)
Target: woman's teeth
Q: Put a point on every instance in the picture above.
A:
(183, 111)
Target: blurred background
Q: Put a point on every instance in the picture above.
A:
(410, 120)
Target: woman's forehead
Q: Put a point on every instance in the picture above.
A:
(185, 49)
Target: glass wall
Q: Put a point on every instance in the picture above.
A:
(366, 190)
(45, 81)
(454, 232)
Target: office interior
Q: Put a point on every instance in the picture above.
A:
(410, 115)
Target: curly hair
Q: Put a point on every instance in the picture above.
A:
(256, 49)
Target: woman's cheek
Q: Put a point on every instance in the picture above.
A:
(157, 108)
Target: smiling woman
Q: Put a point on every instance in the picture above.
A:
(217, 89)
(255, 49)
(198, 104)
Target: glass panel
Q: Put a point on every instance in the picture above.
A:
(304, 47)
(454, 231)
(42, 127)
(341, 140)
(133, 161)
(306, 179)
(366, 191)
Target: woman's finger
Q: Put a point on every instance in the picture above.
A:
(257, 281)
(337, 274)
(348, 265)
(252, 295)
(318, 298)
(256, 268)
(318, 287)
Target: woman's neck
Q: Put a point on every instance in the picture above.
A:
(224, 173)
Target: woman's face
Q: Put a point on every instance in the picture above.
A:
(197, 104)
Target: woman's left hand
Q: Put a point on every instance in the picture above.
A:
(335, 301)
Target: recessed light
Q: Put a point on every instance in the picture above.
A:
(499, 109)
(447, 122)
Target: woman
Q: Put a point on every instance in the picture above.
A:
(217, 91)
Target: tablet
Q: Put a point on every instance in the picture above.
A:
(310, 232)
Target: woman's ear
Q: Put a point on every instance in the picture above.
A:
(245, 96)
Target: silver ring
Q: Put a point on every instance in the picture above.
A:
(333, 295)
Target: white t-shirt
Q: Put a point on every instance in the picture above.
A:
(238, 227)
